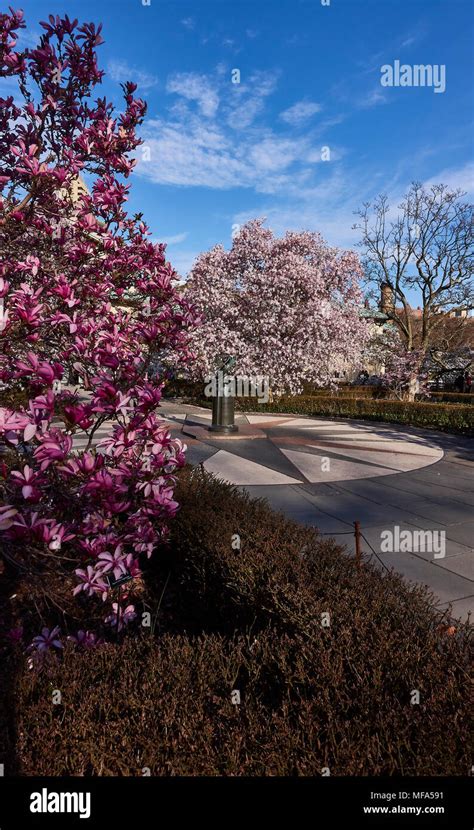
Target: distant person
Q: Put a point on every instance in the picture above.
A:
(459, 383)
(467, 382)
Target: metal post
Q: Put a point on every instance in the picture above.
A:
(357, 543)
(119, 609)
(223, 415)
(223, 401)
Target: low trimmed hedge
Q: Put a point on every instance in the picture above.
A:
(346, 391)
(249, 620)
(449, 397)
(183, 388)
(454, 418)
(353, 402)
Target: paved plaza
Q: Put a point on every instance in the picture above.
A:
(328, 474)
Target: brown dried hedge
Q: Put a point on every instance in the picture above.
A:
(251, 620)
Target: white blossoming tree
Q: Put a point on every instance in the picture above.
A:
(286, 308)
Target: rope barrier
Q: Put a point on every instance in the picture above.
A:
(375, 553)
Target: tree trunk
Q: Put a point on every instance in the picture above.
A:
(413, 387)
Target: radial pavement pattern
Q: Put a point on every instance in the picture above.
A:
(301, 450)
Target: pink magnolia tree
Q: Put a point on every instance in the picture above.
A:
(287, 308)
(405, 372)
(84, 296)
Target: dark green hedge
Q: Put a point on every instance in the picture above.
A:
(448, 417)
(354, 402)
(346, 391)
(466, 398)
(249, 620)
(454, 418)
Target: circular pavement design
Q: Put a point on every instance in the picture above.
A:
(286, 450)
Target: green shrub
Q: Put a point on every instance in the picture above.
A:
(449, 417)
(364, 402)
(251, 620)
(183, 388)
(346, 391)
(448, 397)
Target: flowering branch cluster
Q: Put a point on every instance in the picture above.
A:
(286, 308)
(87, 302)
(405, 371)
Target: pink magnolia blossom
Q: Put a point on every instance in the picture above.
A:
(112, 562)
(74, 277)
(85, 639)
(54, 446)
(287, 308)
(46, 640)
(54, 535)
(7, 516)
(28, 480)
(13, 425)
(91, 582)
(121, 617)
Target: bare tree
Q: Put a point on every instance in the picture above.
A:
(451, 349)
(424, 251)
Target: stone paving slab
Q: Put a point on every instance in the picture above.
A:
(404, 490)
(381, 475)
(462, 564)
(451, 512)
(460, 608)
(202, 433)
(438, 492)
(352, 507)
(289, 501)
(446, 585)
(313, 467)
(463, 533)
(453, 550)
(266, 453)
(197, 453)
(237, 470)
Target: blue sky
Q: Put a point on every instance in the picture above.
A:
(223, 152)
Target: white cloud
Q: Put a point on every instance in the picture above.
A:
(275, 154)
(300, 112)
(188, 22)
(329, 207)
(197, 88)
(455, 178)
(174, 240)
(371, 99)
(417, 34)
(182, 261)
(216, 144)
(29, 38)
(121, 72)
(247, 100)
(185, 151)
(326, 207)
